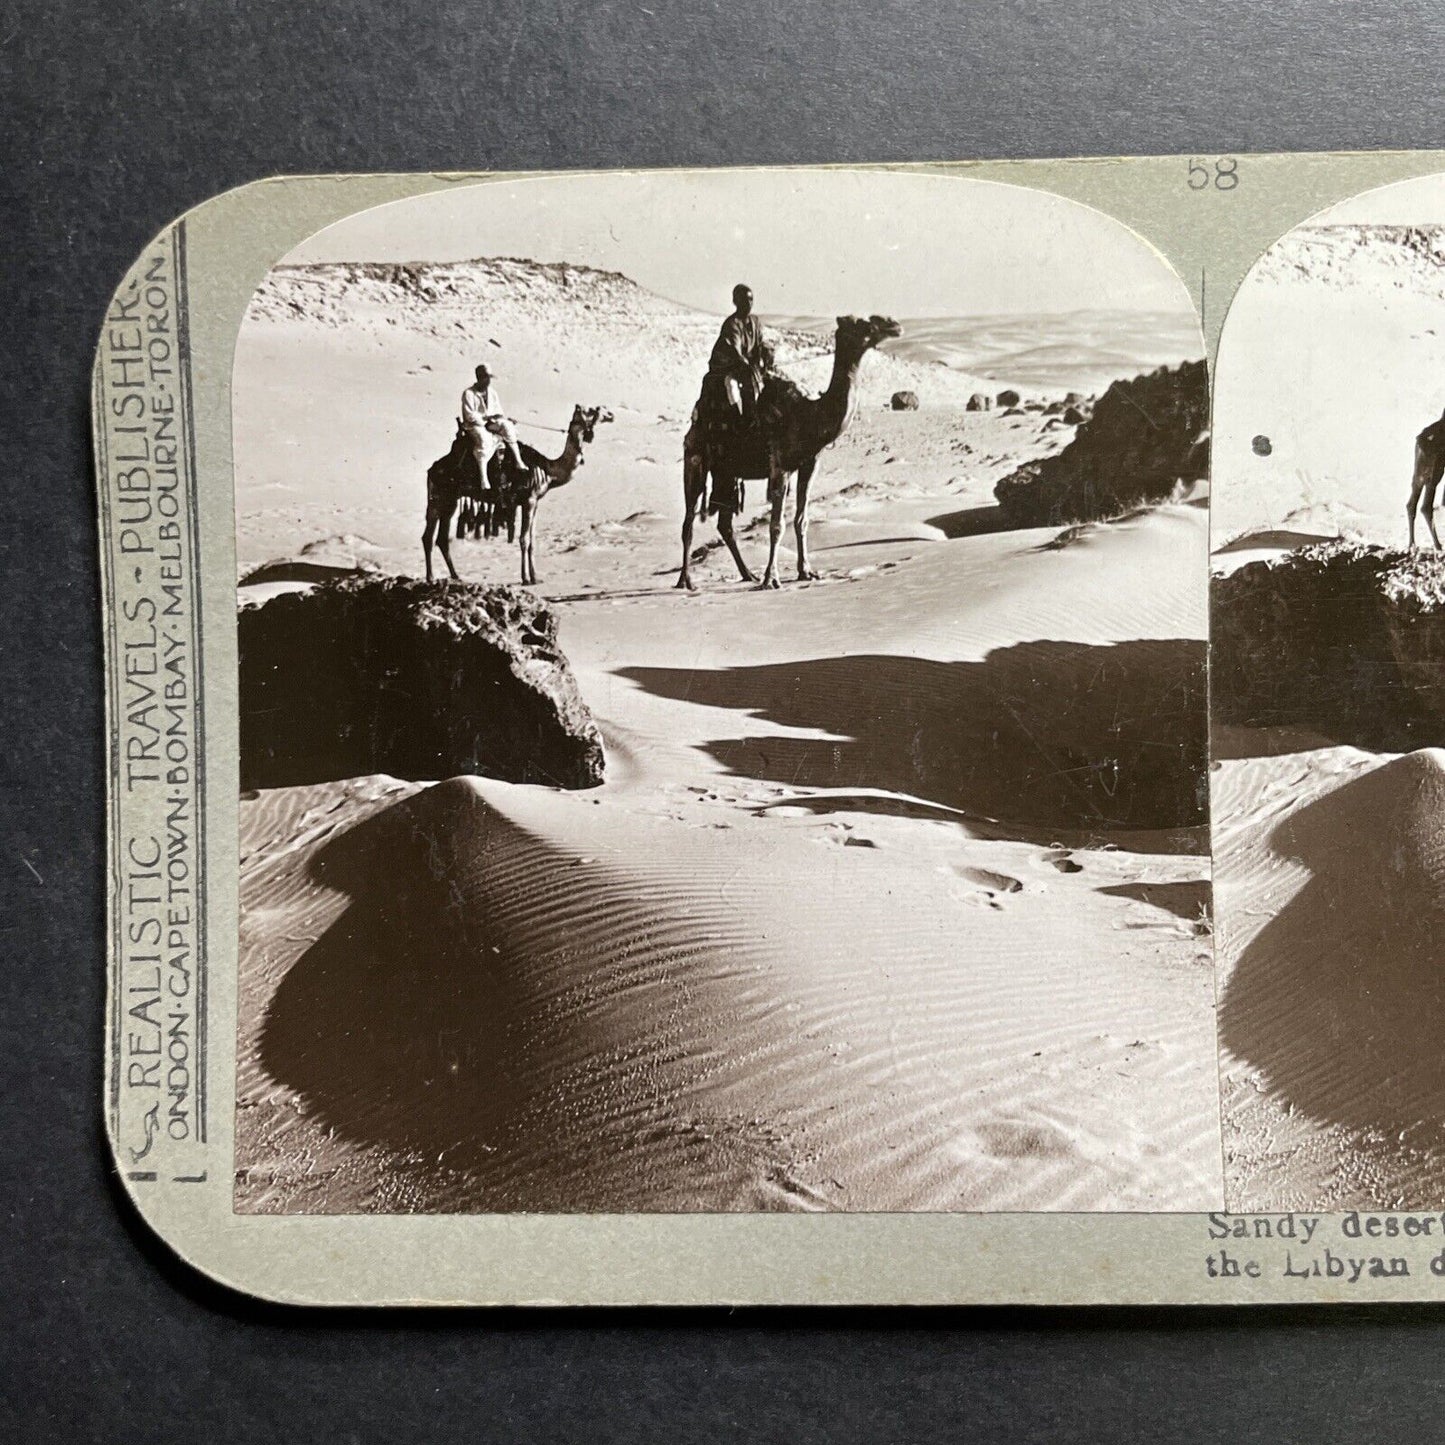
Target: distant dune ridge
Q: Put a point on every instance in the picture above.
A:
(1343, 636)
(1333, 353)
(578, 314)
(1072, 351)
(1083, 350)
(1410, 258)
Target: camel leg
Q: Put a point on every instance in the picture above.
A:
(429, 531)
(529, 517)
(532, 550)
(800, 521)
(1417, 488)
(725, 531)
(694, 482)
(1427, 510)
(444, 541)
(777, 497)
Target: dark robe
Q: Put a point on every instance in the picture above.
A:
(738, 353)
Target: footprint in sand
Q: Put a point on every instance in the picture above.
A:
(1014, 1139)
(1062, 861)
(992, 883)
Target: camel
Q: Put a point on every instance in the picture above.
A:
(454, 476)
(792, 429)
(449, 479)
(1429, 466)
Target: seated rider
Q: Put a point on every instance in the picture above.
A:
(486, 424)
(739, 362)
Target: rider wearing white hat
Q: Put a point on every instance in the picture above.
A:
(486, 422)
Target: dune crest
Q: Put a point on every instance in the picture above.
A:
(648, 1017)
(1331, 1012)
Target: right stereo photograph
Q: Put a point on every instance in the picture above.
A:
(1328, 712)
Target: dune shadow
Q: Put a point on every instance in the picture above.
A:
(619, 594)
(1058, 736)
(973, 522)
(1234, 742)
(302, 571)
(409, 1025)
(1188, 898)
(1339, 1002)
(870, 542)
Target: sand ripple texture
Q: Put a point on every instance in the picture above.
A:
(1330, 870)
(464, 1015)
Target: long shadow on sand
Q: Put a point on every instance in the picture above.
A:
(1339, 1002)
(412, 1024)
(1051, 735)
(972, 522)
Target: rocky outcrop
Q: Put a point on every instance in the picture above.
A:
(1143, 439)
(979, 402)
(1342, 637)
(418, 680)
(1008, 397)
(904, 401)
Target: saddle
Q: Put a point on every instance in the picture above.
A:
(717, 415)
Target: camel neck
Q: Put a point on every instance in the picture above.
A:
(571, 455)
(840, 384)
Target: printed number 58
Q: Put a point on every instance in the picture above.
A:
(1223, 177)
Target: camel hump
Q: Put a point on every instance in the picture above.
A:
(779, 394)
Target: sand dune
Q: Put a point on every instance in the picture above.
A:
(894, 896)
(1076, 351)
(1332, 995)
(656, 1015)
(1327, 837)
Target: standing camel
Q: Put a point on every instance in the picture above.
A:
(1429, 466)
(524, 490)
(792, 429)
(447, 481)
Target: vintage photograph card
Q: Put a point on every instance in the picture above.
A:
(783, 736)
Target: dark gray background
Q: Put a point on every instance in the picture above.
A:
(116, 118)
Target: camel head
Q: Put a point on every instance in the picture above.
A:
(586, 419)
(857, 334)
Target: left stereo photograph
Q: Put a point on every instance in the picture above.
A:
(722, 705)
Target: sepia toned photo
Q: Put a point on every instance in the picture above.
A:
(1328, 616)
(723, 706)
(715, 736)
